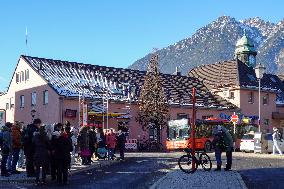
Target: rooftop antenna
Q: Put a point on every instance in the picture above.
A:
(26, 40)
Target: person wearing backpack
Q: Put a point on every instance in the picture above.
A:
(6, 147)
(222, 142)
(276, 138)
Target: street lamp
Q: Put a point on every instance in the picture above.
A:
(33, 113)
(259, 71)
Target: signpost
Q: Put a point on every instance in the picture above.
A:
(234, 119)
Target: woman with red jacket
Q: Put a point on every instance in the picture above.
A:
(111, 143)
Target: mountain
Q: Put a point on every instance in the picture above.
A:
(216, 42)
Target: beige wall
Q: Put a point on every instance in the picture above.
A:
(34, 81)
(49, 113)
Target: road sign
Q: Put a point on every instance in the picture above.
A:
(235, 118)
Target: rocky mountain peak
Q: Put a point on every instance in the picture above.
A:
(217, 42)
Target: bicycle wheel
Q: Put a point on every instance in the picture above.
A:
(205, 162)
(185, 163)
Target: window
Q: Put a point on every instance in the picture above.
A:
(33, 99)
(23, 75)
(17, 78)
(232, 95)
(11, 103)
(265, 99)
(27, 74)
(22, 101)
(45, 97)
(250, 97)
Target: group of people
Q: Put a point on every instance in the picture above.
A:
(54, 148)
(223, 142)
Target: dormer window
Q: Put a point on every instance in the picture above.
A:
(232, 95)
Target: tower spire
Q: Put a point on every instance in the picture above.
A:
(26, 40)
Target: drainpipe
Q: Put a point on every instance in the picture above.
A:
(61, 113)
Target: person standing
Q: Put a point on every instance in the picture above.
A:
(121, 140)
(222, 142)
(6, 147)
(84, 141)
(111, 142)
(41, 145)
(61, 154)
(276, 138)
(16, 146)
(55, 135)
(28, 147)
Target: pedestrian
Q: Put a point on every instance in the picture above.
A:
(222, 142)
(111, 143)
(101, 144)
(74, 139)
(55, 135)
(41, 145)
(92, 142)
(121, 140)
(16, 146)
(83, 140)
(276, 136)
(6, 147)
(28, 147)
(61, 154)
(21, 162)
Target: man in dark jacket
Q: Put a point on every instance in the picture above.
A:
(41, 153)
(61, 154)
(222, 142)
(28, 147)
(6, 147)
(121, 139)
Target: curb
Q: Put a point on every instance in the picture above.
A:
(32, 179)
(241, 181)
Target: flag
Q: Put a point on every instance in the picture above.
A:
(26, 36)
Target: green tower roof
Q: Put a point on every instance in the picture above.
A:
(244, 44)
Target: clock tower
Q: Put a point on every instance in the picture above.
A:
(245, 51)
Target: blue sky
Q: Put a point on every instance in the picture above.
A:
(111, 33)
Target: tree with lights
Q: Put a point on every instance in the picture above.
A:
(153, 108)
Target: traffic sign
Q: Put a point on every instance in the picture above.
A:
(234, 118)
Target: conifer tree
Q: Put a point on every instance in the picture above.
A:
(153, 108)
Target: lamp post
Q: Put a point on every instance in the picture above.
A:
(33, 112)
(259, 71)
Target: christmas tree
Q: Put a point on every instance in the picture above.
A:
(153, 108)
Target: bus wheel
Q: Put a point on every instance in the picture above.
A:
(207, 146)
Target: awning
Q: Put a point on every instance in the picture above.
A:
(106, 114)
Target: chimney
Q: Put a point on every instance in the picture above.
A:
(177, 72)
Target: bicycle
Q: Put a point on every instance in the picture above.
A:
(185, 161)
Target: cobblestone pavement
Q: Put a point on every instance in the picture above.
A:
(259, 171)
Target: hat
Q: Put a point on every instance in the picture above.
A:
(275, 129)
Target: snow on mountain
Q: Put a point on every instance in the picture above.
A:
(216, 42)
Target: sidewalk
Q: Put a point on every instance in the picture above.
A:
(74, 169)
(201, 180)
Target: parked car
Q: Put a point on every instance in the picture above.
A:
(269, 147)
(247, 143)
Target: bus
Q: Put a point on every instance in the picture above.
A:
(179, 133)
